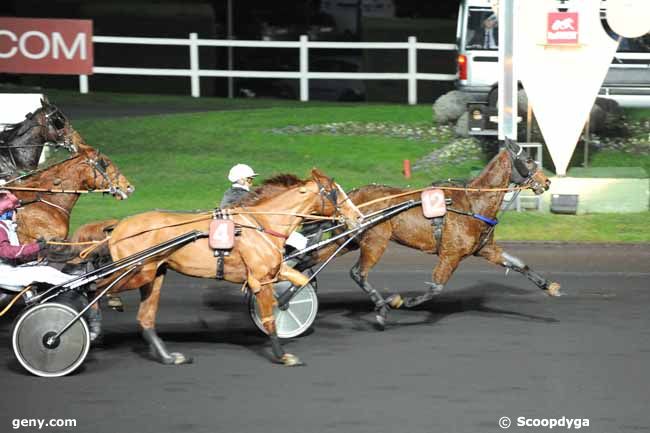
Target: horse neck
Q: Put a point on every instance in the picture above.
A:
(71, 174)
(495, 175)
(289, 202)
(31, 136)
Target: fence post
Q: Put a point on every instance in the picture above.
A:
(412, 71)
(83, 83)
(304, 68)
(194, 65)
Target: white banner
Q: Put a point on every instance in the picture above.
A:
(562, 80)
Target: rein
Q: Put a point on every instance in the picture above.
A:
(60, 191)
(445, 188)
(55, 191)
(209, 215)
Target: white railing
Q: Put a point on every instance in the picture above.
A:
(303, 74)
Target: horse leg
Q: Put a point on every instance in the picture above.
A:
(495, 254)
(266, 301)
(150, 299)
(441, 274)
(372, 249)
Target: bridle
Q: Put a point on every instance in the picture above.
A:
(58, 121)
(100, 166)
(332, 197)
(521, 174)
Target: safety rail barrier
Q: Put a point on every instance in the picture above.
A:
(303, 74)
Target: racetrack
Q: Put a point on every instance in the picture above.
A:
(490, 346)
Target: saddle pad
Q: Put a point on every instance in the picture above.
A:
(433, 203)
(222, 234)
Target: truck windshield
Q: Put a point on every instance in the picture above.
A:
(634, 45)
(482, 30)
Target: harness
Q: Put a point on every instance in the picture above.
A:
(523, 176)
(220, 254)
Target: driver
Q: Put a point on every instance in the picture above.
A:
(241, 176)
(17, 268)
(12, 253)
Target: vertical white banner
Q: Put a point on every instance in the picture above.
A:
(562, 61)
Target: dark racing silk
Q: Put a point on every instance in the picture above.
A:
(233, 196)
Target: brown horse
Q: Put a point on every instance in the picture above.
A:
(461, 234)
(47, 214)
(256, 258)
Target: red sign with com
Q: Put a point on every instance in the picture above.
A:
(46, 46)
(562, 28)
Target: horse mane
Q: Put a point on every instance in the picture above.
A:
(499, 158)
(272, 187)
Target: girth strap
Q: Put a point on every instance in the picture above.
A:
(438, 223)
(220, 264)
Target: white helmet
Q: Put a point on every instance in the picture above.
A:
(240, 171)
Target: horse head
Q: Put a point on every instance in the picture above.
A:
(524, 170)
(334, 199)
(22, 143)
(103, 173)
(56, 125)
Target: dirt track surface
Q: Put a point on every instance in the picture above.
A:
(490, 346)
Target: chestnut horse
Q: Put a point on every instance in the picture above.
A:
(21, 144)
(256, 258)
(47, 214)
(461, 235)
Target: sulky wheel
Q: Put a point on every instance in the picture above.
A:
(30, 337)
(294, 320)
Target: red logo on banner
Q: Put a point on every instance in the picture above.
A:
(562, 28)
(46, 46)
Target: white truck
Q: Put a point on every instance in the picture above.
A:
(627, 82)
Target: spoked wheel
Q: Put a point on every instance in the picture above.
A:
(33, 346)
(297, 318)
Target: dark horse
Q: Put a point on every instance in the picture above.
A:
(21, 144)
(461, 235)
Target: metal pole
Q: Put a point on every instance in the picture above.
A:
(586, 139)
(529, 123)
(507, 78)
(230, 59)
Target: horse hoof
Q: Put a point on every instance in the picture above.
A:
(179, 359)
(553, 289)
(381, 322)
(290, 360)
(395, 301)
(174, 358)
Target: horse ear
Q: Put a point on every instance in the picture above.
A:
(45, 102)
(79, 143)
(512, 146)
(317, 174)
